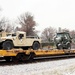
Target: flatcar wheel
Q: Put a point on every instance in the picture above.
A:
(14, 59)
(7, 59)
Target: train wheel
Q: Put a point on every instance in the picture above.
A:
(14, 59)
(22, 57)
(7, 59)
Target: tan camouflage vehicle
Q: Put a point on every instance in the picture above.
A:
(19, 40)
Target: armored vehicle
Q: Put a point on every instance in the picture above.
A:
(63, 40)
(18, 39)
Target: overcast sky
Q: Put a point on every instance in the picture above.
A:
(54, 13)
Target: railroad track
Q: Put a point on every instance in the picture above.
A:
(35, 60)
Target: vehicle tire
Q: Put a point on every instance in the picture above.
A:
(7, 45)
(69, 46)
(36, 45)
(59, 46)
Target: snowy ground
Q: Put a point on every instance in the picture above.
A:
(56, 67)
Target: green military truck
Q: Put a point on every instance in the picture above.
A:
(63, 40)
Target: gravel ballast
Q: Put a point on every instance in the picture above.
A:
(56, 67)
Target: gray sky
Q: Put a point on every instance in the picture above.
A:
(55, 13)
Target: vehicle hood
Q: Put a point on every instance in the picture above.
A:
(4, 38)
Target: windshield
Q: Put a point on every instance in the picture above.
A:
(8, 35)
(66, 35)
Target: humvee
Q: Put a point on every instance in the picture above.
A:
(63, 40)
(18, 39)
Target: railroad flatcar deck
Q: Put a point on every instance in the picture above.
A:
(29, 54)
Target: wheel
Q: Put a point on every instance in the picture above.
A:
(69, 46)
(21, 57)
(7, 59)
(14, 59)
(7, 45)
(59, 46)
(36, 45)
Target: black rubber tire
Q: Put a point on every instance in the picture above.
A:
(36, 45)
(69, 46)
(7, 45)
(58, 47)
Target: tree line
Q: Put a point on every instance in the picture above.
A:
(26, 21)
(28, 24)
(49, 33)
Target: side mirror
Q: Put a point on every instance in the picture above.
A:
(13, 34)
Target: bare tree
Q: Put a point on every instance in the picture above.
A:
(72, 33)
(63, 30)
(6, 25)
(2, 23)
(27, 24)
(48, 34)
(9, 28)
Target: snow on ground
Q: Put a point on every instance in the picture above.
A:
(56, 67)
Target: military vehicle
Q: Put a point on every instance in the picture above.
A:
(63, 40)
(19, 40)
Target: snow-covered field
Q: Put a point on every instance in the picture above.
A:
(56, 67)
